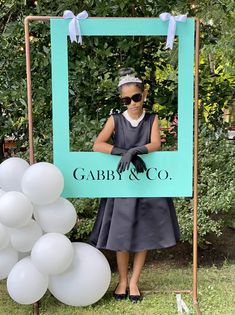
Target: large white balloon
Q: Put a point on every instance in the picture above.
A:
(85, 281)
(59, 216)
(42, 183)
(4, 236)
(25, 284)
(11, 172)
(8, 258)
(52, 253)
(23, 239)
(15, 209)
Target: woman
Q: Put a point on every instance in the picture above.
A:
(134, 225)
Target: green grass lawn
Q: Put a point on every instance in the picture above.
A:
(216, 294)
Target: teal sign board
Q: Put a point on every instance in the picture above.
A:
(92, 174)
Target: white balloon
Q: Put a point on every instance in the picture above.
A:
(52, 253)
(59, 216)
(11, 172)
(15, 209)
(85, 281)
(43, 183)
(4, 236)
(8, 258)
(25, 284)
(23, 239)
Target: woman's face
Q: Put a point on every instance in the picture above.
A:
(129, 90)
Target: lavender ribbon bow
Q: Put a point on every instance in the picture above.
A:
(74, 25)
(172, 26)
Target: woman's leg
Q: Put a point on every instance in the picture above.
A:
(138, 264)
(122, 263)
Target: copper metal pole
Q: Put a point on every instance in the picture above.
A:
(36, 308)
(195, 180)
(30, 112)
(29, 91)
(29, 99)
(29, 81)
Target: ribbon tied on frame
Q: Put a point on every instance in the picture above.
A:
(172, 26)
(74, 25)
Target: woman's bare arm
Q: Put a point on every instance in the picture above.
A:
(155, 143)
(101, 144)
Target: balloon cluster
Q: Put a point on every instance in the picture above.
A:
(35, 255)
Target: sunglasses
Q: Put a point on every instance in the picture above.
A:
(127, 100)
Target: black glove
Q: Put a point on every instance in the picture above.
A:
(136, 160)
(128, 156)
(118, 151)
(139, 164)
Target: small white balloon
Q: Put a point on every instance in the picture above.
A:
(11, 173)
(24, 238)
(4, 236)
(8, 258)
(85, 281)
(42, 183)
(59, 216)
(52, 253)
(25, 284)
(15, 209)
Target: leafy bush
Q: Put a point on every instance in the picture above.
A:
(216, 182)
(86, 209)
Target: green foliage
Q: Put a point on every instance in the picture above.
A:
(216, 195)
(83, 131)
(86, 209)
(93, 71)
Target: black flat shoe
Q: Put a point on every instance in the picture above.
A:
(135, 298)
(120, 296)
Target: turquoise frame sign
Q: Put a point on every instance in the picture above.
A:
(92, 174)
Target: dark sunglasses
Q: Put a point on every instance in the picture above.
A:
(127, 100)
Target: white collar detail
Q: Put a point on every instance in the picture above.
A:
(133, 122)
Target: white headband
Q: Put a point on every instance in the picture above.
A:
(128, 79)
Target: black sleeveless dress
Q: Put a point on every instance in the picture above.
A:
(134, 224)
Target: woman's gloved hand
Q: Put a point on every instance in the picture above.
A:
(118, 151)
(139, 164)
(127, 157)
